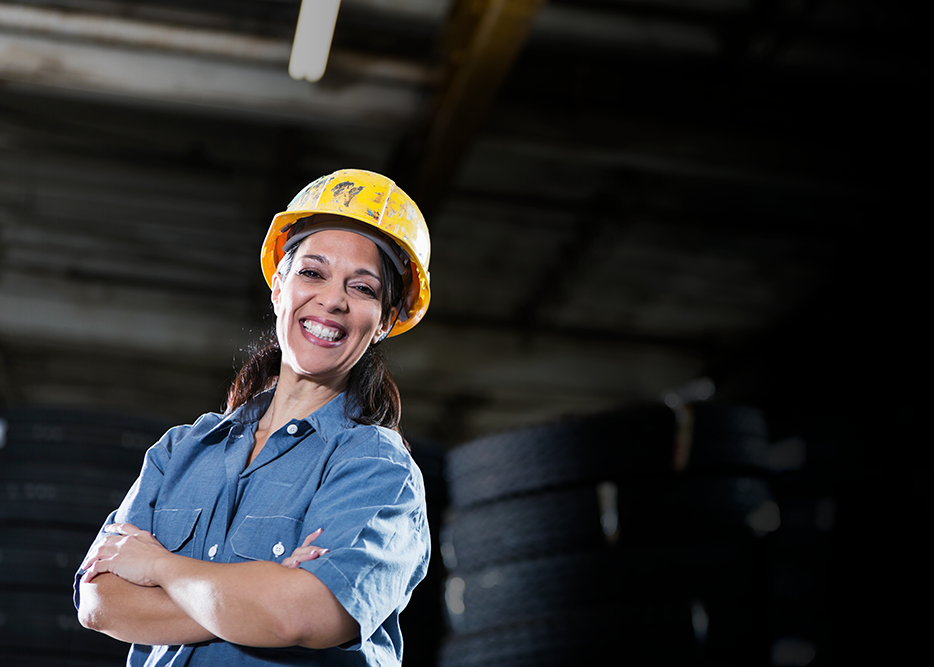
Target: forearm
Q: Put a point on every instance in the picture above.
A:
(256, 603)
(136, 614)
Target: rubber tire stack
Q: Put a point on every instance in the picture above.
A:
(61, 473)
(422, 623)
(630, 537)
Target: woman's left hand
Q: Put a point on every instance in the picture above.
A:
(305, 552)
(128, 552)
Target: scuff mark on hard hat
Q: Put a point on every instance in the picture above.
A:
(347, 190)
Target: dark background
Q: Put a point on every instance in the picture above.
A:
(623, 197)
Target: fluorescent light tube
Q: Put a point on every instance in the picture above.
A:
(316, 20)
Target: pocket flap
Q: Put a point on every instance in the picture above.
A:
(266, 537)
(174, 528)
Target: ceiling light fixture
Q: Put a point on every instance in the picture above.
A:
(316, 20)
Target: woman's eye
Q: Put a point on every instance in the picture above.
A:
(309, 273)
(366, 289)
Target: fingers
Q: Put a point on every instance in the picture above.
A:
(127, 530)
(103, 549)
(294, 560)
(107, 548)
(121, 529)
(311, 538)
(302, 554)
(97, 567)
(305, 552)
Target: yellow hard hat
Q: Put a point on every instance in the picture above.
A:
(378, 203)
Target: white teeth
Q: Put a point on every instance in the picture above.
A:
(320, 331)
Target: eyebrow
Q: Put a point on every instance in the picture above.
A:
(358, 272)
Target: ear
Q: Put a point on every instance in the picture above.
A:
(276, 292)
(384, 327)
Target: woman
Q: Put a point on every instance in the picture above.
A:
(292, 529)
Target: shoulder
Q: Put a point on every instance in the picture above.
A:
(184, 435)
(370, 441)
(376, 454)
(335, 424)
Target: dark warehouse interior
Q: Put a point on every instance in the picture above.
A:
(655, 225)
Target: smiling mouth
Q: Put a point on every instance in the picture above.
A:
(320, 331)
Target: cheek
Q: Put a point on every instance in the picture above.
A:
(380, 322)
(290, 298)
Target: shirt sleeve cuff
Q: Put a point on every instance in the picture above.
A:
(345, 593)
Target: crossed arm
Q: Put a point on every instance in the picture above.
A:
(137, 591)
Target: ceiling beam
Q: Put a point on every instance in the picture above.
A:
(479, 46)
(88, 56)
(158, 79)
(139, 34)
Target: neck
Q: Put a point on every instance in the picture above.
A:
(296, 397)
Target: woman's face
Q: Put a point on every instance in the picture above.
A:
(328, 306)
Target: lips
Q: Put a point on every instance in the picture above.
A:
(322, 331)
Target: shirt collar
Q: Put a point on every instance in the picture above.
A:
(331, 419)
(248, 413)
(328, 420)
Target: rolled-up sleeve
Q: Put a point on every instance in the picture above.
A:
(371, 505)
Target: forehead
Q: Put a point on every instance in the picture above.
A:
(339, 246)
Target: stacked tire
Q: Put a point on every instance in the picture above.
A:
(422, 623)
(630, 536)
(61, 473)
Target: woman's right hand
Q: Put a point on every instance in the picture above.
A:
(305, 552)
(128, 552)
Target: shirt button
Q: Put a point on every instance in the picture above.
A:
(212, 551)
(278, 550)
(292, 429)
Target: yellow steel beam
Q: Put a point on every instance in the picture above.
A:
(479, 46)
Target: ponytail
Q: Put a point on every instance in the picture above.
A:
(374, 392)
(259, 373)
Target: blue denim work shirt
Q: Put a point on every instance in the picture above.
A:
(196, 494)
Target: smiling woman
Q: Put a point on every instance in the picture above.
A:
(292, 528)
(328, 306)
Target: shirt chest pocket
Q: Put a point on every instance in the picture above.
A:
(266, 538)
(175, 529)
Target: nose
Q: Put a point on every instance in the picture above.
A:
(333, 297)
